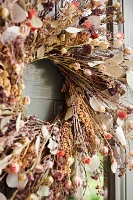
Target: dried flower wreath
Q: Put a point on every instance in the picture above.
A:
(47, 160)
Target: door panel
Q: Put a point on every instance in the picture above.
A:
(43, 82)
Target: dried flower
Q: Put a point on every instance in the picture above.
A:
(86, 24)
(76, 66)
(128, 50)
(118, 43)
(104, 45)
(38, 168)
(108, 136)
(95, 42)
(104, 150)
(59, 175)
(130, 164)
(4, 13)
(63, 50)
(130, 124)
(101, 109)
(77, 181)
(120, 35)
(101, 67)
(75, 4)
(49, 180)
(32, 197)
(45, 151)
(94, 35)
(31, 13)
(86, 160)
(103, 127)
(60, 153)
(22, 177)
(68, 184)
(87, 72)
(117, 5)
(122, 114)
(131, 153)
(13, 168)
(26, 100)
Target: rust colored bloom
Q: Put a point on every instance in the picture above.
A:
(13, 168)
(87, 24)
(60, 153)
(31, 13)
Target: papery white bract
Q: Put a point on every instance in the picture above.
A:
(18, 122)
(114, 166)
(45, 132)
(120, 135)
(95, 163)
(12, 180)
(52, 144)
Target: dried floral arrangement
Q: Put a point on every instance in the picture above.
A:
(47, 160)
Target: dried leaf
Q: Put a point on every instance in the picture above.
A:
(124, 80)
(128, 64)
(36, 22)
(4, 129)
(6, 112)
(2, 196)
(73, 30)
(45, 132)
(18, 122)
(114, 166)
(19, 15)
(69, 113)
(40, 7)
(4, 162)
(106, 119)
(40, 52)
(113, 69)
(120, 122)
(117, 59)
(54, 152)
(115, 98)
(52, 144)
(37, 145)
(4, 122)
(116, 155)
(93, 64)
(95, 103)
(129, 75)
(54, 24)
(71, 100)
(12, 180)
(22, 4)
(95, 21)
(95, 163)
(120, 135)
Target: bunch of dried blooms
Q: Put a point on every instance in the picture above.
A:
(47, 160)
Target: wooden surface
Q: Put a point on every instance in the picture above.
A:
(43, 82)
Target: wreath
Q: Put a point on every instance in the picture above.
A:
(49, 160)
